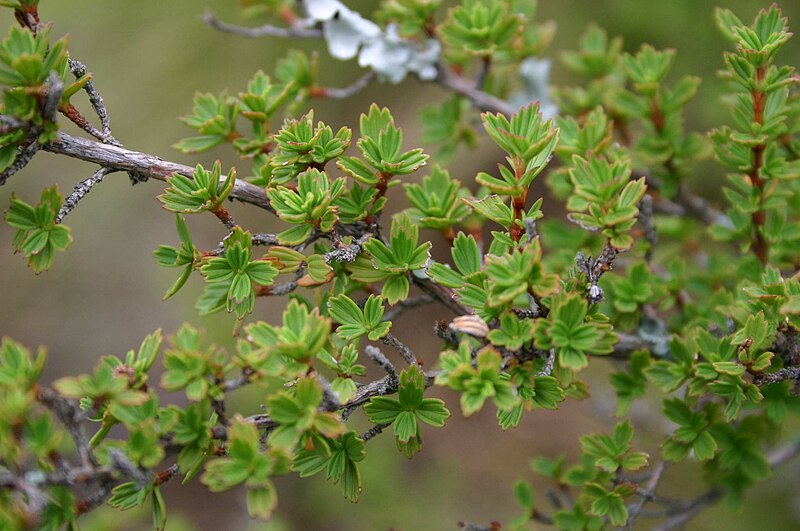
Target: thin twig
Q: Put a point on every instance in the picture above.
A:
(79, 70)
(647, 495)
(380, 359)
(547, 370)
(330, 399)
(482, 100)
(72, 419)
(486, 66)
(267, 30)
(345, 252)
(24, 155)
(411, 302)
(392, 341)
(265, 238)
(686, 204)
(786, 373)
(373, 431)
(344, 92)
(441, 293)
(594, 270)
(80, 191)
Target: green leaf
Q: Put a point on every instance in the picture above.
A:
(524, 494)
(405, 426)
(354, 323)
(383, 410)
(433, 412)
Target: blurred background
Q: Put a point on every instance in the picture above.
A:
(103, 295)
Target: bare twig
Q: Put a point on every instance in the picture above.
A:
(373, 431)
(402, 306)
(330, 400)
(72, 419)
(267, 30)
(647, 495)
(646, 219)
(786, 373)
(441, 293)
(52, 98)
(242, 380)
(24, 155)
(380, 359)
(265, 238)
(344, 92)
(80, 191)
(689, 205)
(392, 341)
(482, 100)
(547, 370)
(345, 252)
(594, 269)
(79, 70)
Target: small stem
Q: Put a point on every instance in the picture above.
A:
(224, 216)
(486, 66)
(373, 431)
(760, 244)
(165, 475)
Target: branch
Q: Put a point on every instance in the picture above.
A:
(267, 30)
(648, 494)
(595, 268)
(71, 417)
(685, 204)
(411, 302)
(685, 513)
(441, 293)
(482, 100)
(344, 92)
(786, 373)
(80, 191)
(24, 155)
(79, 70)
(143, 165)
(373, 431)
(405, 352)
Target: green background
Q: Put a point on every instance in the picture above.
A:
(103, 295)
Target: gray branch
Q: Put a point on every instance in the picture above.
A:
(143, 165)
(80, 191)
(267, 30)
(79, 70)
(350, 90)
(482, 100)
(405, 352)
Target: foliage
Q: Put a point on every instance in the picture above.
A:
(712, 327)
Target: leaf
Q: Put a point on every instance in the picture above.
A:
(261, 501)
(354, 323)
(433, 412)
(405, 426)
(524, 494)
(383, 410)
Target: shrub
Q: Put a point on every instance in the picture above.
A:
(530, 300)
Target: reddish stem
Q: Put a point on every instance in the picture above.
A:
(224, 216)
(760, 244)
